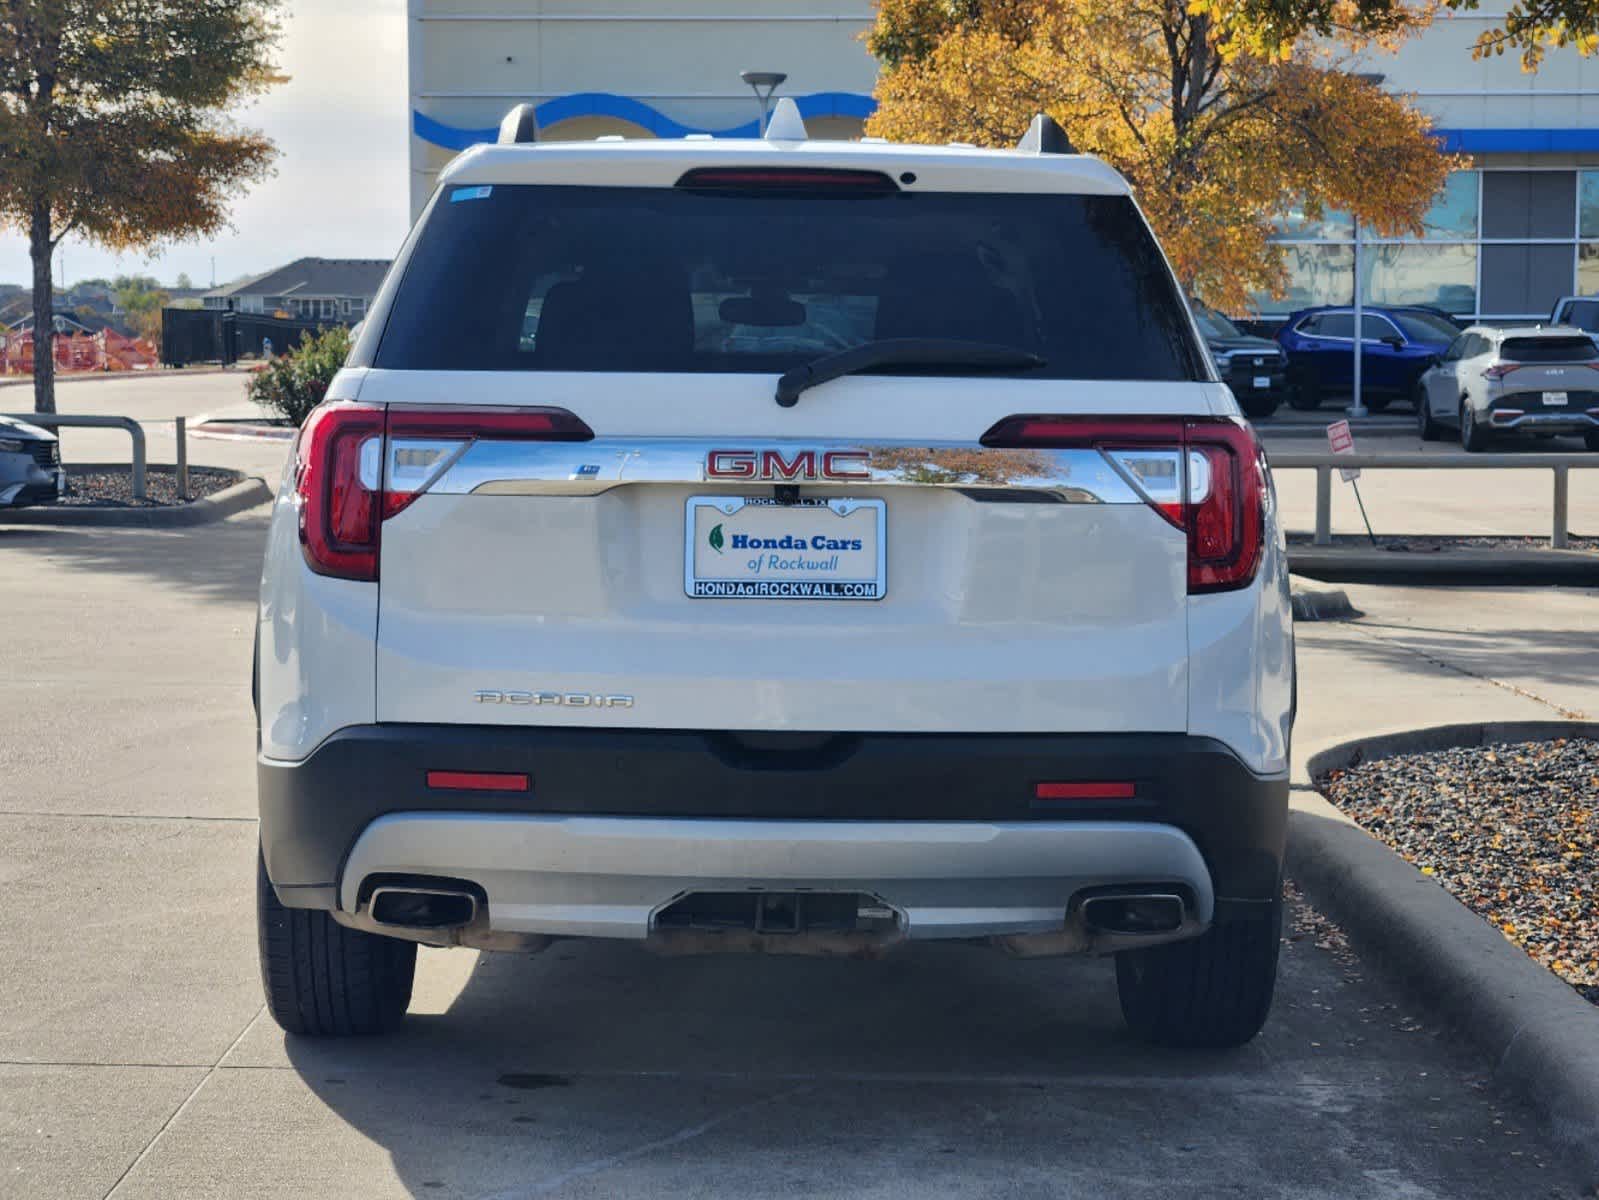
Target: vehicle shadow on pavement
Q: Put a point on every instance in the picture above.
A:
(1553, 657)
(219, 562)
(600, 1070)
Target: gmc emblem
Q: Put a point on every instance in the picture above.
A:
(802, 465)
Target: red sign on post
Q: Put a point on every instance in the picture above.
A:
(1341, 440)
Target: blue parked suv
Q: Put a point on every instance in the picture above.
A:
(1398, 344)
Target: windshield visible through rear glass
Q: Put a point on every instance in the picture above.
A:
(1547, 349)
(1422, 327)
(535, 278)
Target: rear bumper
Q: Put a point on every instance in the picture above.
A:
(1507, 416)
(741, 810)
(611, 876)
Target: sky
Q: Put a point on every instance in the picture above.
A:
(341, 187)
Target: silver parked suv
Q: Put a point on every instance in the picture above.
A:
(1523, 380)
(30, 464)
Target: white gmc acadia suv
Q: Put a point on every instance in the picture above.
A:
(782, 547)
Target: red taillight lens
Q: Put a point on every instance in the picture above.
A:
(1227, 526)
(1205, 475)
(1499, 370)
(357, 465)
(338, 502)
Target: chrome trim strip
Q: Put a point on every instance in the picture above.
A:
(495, 468)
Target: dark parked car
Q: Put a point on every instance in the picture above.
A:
(1254, 367)
(30, 465)
(1397, 345)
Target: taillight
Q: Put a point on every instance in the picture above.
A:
(337, 473)
(1499, 370)
(1205, 475)
(357, 465)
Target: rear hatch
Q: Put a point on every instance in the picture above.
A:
(1550, 373)
(596, 513)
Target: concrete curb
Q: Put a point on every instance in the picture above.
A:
(1333, 564)
(247, 493)
(109, 376)
(240, 430)
(1541, 1038)
(1313, 604)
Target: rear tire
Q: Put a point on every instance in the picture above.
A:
(1378, 403)
(1473, 437)
(1429, 429)
(1591, 440)
(1259, 406)
(1304, 392)
(324, 980)
(1212, 992)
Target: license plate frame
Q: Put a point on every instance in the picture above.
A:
(1556, 399)
(864, 578)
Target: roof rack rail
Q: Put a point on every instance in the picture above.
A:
(1045, 136)
(520, 125)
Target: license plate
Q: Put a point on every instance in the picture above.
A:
(1262, 382)
(751, 547)
(1555, 399)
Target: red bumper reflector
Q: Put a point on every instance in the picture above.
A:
(478, 781)
(1085, 791)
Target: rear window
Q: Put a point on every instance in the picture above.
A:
(1584, 314)
(1547, 349)
(535, 278)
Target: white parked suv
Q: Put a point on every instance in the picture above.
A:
(1524, 380)
(776, 546)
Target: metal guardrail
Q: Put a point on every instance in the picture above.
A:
(1325, 464)
(57, 420)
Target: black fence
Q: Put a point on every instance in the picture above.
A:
(207, 335)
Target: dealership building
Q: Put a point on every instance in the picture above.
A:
(1503, 241)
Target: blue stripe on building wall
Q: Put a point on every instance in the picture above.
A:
(1518, 141)
(625, 108)
(849, 104)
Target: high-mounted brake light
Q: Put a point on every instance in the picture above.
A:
(1205, 475)
(788, 179)
(357, 465)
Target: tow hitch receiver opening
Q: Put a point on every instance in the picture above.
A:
(779, 913)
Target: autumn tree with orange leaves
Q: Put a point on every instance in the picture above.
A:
(1217, 138)
(114, 126)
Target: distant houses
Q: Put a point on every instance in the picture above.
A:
(309, 289)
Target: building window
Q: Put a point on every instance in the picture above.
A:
(1436, 276)
(1496, 245)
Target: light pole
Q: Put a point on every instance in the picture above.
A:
(1358, 408)
(763, 83)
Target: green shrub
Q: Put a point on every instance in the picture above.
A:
(293, 384)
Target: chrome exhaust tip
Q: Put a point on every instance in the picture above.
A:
(1133, 914)
(421, 908)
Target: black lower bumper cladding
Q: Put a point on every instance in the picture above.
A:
(313, 811)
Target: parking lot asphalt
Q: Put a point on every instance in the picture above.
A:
(136, 1061)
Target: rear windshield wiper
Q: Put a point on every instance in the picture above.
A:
(898, 352)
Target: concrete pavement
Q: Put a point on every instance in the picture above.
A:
(135, 1060)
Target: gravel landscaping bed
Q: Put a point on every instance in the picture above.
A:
(1407, 544)
(1511, 830)
(114, 489)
